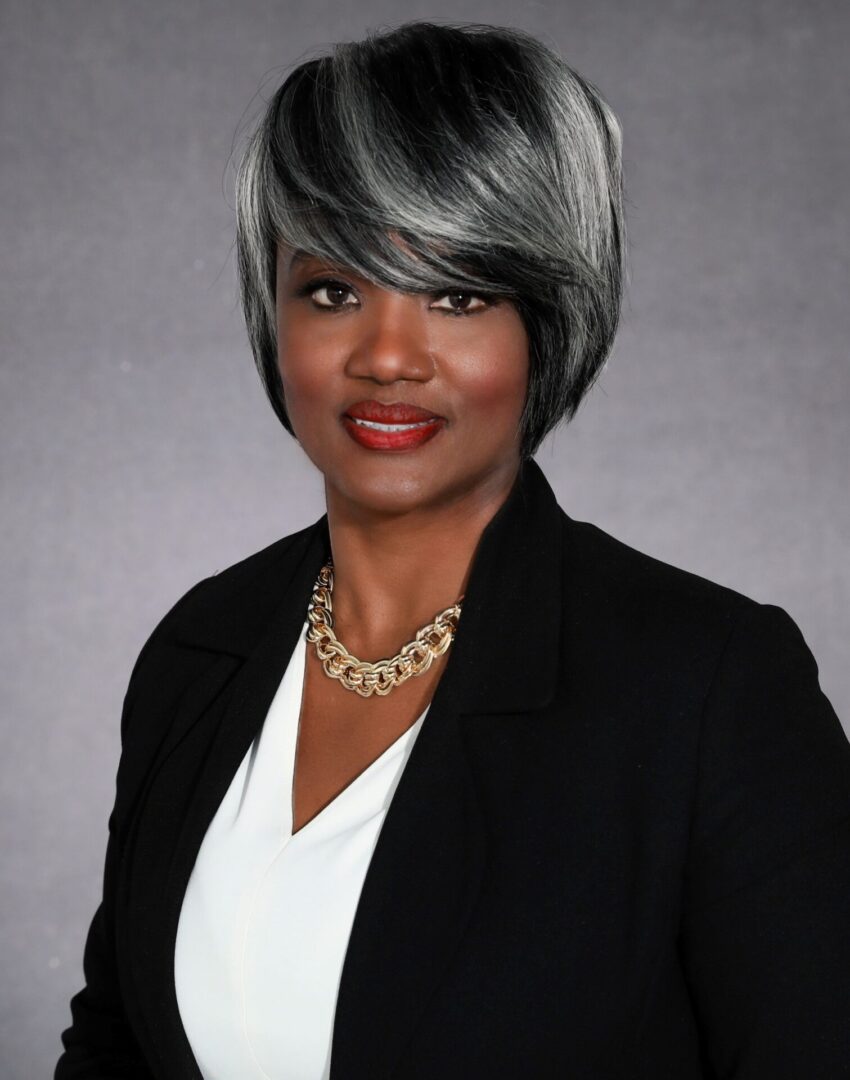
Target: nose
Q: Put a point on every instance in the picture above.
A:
(391, 341)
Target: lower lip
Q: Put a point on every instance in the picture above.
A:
(373, 439)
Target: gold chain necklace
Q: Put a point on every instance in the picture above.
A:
(378, 678)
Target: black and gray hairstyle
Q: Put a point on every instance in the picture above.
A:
(496, 163)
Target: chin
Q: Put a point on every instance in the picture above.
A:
(384, 488)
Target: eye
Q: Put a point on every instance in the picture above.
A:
(464, 297)
(459, 302)
(331, 287)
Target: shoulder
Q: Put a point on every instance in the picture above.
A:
(675, 628)
(227, 604)
(627, 583)
(243, 584)
(737, 678)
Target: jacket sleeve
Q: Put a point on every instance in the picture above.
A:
(99, 1044)
(765, 934)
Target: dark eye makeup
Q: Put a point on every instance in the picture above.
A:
(338, 285)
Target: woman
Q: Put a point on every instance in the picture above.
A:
(450, 784)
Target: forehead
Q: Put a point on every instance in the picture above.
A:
(289, 259)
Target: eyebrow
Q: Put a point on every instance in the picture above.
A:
(299, 256)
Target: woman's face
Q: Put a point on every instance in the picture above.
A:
(348, 346)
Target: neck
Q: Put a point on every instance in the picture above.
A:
(394, 574)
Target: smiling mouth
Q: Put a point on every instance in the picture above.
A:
(381, 436)
(390, 427)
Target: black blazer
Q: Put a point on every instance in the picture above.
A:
(620, 847)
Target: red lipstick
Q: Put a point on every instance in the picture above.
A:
(397, 426)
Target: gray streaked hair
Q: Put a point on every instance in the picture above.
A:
(497, 164)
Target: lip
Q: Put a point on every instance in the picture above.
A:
(386, 439)
(427, 425)
(399, 412)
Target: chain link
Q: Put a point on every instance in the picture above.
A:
(379, 678)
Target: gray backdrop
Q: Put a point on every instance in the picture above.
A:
(138, 452)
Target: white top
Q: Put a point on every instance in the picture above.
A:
(266, 918)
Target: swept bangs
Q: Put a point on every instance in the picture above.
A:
(496, 164)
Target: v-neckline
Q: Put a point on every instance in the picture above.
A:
(328, 808)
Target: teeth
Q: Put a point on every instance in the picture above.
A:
(389, 427)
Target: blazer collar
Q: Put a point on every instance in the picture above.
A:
(511, 620)
(511, 611)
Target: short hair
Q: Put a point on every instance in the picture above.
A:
(497, 164)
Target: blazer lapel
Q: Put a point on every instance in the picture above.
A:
(427, 867)
(426, 871)
(217, 720)
(417, 897)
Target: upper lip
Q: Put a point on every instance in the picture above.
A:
(399, 412)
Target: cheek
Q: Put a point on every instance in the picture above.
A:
(495, 382)
(303, 373)
(301, 382)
